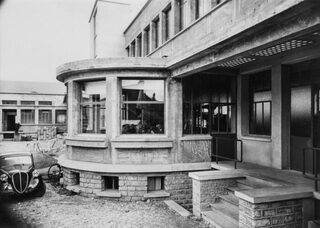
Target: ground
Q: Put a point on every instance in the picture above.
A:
(56, 209)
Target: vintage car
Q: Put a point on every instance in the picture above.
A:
(18, 175)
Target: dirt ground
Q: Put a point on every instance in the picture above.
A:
(60, 210)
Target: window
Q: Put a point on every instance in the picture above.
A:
(215, 2)
(147, 40)
(142, 109)
(75, 178)
(155, 183)
(61, 116)
(9, 102)
(139, 46)
(92, 107)
(128, 51)
(110, 183)
(166, 23)
(94, 34)
(197, 9)
(27, 116)
(209, 105)
(45, 116)
(260, 103)
(133, 48)
(181, 14)
(45, 102)
(27, 103)
(156, 30)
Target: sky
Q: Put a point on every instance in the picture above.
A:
(36, 36)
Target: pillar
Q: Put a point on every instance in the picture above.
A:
(74, 93)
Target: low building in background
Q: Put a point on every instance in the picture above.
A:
(32, 110)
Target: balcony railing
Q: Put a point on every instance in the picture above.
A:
(216, 154)
(313, 175)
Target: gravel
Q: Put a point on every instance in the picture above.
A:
(60, 210)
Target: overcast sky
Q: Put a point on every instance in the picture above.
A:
(38, 35)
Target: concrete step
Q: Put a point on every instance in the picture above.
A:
(231, 199)
(257, 183)
(240, 187)
(177, 208)
(222, 216)
(314, 224)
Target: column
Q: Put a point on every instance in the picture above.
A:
(280, 120)
(74, 94)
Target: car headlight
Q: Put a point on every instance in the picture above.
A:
(35, 173)
(4, 177)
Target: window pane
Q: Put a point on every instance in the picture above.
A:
(93, 118)
(45, 102)
(61, 116)
(267, 118)
(142, 119)
(45, 116)
(143, 90)
(94, 91)
(27, 102)
(27, 116)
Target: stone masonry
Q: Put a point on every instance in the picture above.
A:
(206, 192)
(132, 187)
(274, 214)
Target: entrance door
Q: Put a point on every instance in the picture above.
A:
(9, 120)
(301, 126)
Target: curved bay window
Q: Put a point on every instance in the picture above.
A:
(142, 106)
(92, 107)
(209, 105)
(260, 103)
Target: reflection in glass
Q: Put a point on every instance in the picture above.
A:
(142, 110)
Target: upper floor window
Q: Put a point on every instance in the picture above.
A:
(139, 46)
(146, 40)
(156, 32)
(181, 14)
(128, 51)
(92, 107)
(260, 103)
(45, 102)
(27, 103)
(133, 49)
(142, 108)
(166, 23)
(9, 102)
(94, 34)
(215, 2)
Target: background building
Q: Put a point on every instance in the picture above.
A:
(40, 108)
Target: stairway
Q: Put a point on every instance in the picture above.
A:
(225, 213)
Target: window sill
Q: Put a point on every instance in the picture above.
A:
(89, 140)
(109, 194)
(195, 137)
(146, 142)
(260, 138)
(156, 194)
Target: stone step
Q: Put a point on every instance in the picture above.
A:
(230, 198)
(222, 216)
(177, 208)
(257, 183)
(240, 187)
(314, 224)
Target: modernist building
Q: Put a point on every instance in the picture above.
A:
(197, 72)
(32, 110)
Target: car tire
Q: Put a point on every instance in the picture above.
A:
(40, 190)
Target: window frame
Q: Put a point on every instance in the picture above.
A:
(40, 116)
(166, 23)
(32, 116)
(146, 41)
(154, 180)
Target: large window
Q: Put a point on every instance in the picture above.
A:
(156, 33)
(139, 46)
(146, 40)
(260, 103)
(181, 14)
(27, 116)
(92, 107)
(209, 105)
(142, 110)
(45, 116)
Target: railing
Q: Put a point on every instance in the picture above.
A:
(217, 153)
(314, 174)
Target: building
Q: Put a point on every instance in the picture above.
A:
(232, 80)
(38, 108)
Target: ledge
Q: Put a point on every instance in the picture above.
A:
(109, 194)
(266, 195)
(87, 141)
(217, 175)
(156, 194)
(195, 137)
(256, 138)
(117, 168)
(142, 143)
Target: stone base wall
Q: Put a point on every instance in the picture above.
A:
(275, 214)
(132, 187)
(206, 192)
